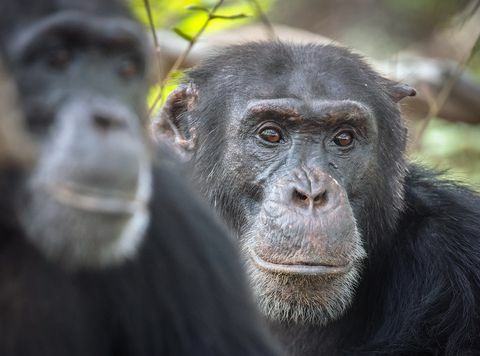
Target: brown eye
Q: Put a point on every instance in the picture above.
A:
(270, 134)
(59, 58)
(128, 69)
(343, 139)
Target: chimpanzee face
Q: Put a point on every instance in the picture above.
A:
(302, 162)
(82, 86)
(294, 146)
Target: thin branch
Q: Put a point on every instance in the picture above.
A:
(442, 97)
(150, 21)
(181, 59)
(264, 19)
(437, 104)
(158, 59)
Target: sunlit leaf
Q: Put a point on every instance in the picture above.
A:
(182, 34)
(197, 8)
(231, 17)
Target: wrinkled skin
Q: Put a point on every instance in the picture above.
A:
(300, 155)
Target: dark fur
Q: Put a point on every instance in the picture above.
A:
(420, 288)
(183, 294)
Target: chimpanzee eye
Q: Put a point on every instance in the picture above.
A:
(59, 58)
(271, 134)
(128, 68)
(343, 139)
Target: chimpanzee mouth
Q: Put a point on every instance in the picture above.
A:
(305, 269)
(83, 199)
(102, 201)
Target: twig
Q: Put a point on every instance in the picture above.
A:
(154, 34)
(150, 21)
(191, 42)
(442, 97)
(264, 19)
(437, 104)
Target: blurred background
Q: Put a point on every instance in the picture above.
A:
(431, 44)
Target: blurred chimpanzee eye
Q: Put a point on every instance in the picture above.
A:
(271, 134)
(343, 139)
(59, 58)
(128, 68)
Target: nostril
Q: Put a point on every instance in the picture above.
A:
(316, 199)
(320, 199)
(105, 123)
(299, 196)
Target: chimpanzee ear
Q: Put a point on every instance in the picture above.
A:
(398, 91)
(173, 124)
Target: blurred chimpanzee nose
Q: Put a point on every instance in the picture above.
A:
(105, 122)
(107, 140)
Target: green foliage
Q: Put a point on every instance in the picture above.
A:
(189, 15)
(454, 147)
(169, 86)
(189, 18)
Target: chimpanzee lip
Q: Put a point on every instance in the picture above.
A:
(299, 268)
(83, 198)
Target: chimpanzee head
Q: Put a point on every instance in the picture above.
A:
(301, 149)
(80, 69)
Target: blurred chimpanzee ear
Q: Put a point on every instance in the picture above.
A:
(173, 124)
(398, 91)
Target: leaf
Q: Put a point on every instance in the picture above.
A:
(182, 34)
(197, 8)
(230, 17)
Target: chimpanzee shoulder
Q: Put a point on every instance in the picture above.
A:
(429, 271)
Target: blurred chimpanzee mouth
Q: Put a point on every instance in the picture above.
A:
(95, 200)
(299, 268)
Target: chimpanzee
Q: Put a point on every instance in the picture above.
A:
(301, 148)
(104, 251)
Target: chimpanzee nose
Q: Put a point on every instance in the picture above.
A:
(105, 122)
(314, 198)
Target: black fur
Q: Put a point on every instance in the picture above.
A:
(420, 287)
(183, 293)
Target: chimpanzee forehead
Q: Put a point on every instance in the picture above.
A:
(312, 73)
(273, 70)
(33, 10)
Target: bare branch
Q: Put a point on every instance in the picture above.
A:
(150, 21)
(263, 18)
(192, 40)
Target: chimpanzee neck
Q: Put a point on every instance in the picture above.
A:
(310, 340)
(350, 331)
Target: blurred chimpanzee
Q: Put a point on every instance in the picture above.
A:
(85, 269)
(301, 148)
